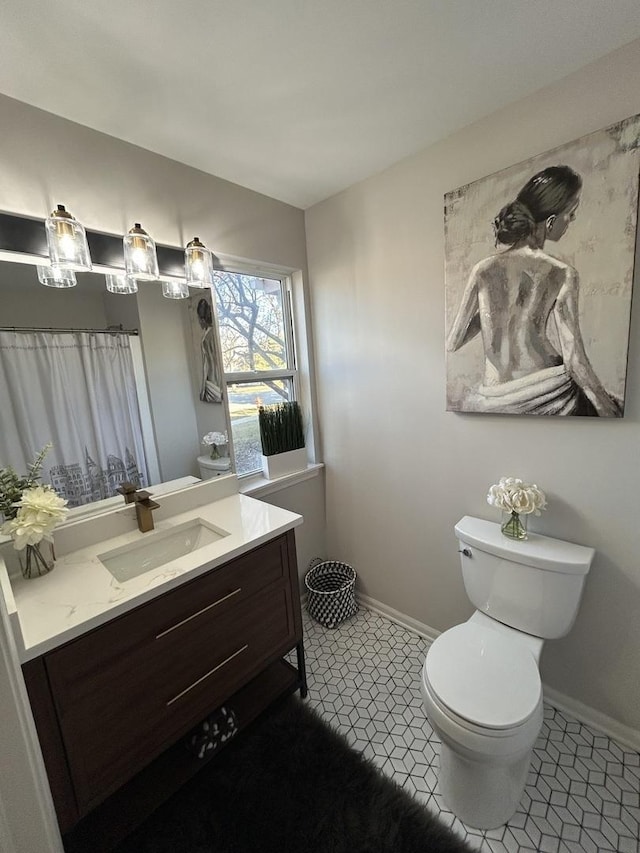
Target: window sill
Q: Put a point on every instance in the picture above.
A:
(256, 485)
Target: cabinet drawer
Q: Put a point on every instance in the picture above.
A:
(162, 688)
(213, 594)
(130, 688)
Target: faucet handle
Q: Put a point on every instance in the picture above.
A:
(147, 502)
(129, 492)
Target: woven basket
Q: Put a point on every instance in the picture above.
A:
(331, 593)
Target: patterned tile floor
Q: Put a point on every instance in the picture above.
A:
(583, 789)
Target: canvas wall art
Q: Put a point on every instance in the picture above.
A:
(205, 348)
(539, 274)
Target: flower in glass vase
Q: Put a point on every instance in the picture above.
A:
(217, 441)
(31, 513)
(517, 500)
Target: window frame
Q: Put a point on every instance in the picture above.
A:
(247, 377)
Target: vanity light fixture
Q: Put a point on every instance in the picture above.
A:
(55, 276)
(140, 257)
(175, 289)
(121, 284)
(67, 241)
(198, 264)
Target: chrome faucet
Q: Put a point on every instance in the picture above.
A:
(144, 505)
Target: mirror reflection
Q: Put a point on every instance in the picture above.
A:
(124, 386)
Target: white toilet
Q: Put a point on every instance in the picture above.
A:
(213, 467)
(480, 681)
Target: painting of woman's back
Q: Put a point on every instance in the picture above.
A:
(539, 274)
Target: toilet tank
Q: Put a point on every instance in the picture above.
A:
(533, 585)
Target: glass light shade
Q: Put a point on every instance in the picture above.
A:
(56, 277)
(67, 241)
(198, 264)
(175, 289)
(121, 284)
(140, 258)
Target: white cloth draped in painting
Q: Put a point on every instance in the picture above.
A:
(551, 391)
(78, 391)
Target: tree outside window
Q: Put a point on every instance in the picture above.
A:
(257, 354)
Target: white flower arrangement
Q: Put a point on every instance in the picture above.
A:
(515, 496)
(215, 440)
(39, 510)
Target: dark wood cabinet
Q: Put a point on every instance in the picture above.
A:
(110, 703)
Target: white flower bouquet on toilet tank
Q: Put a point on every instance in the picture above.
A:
(516, 498)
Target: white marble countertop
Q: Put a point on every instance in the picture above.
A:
(81, 594)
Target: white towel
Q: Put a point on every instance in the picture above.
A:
(550, 391)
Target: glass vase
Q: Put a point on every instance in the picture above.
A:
(514, 525)
(34, 563)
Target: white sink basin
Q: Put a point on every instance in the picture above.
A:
(130, 561)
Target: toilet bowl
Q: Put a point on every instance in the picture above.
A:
(480, 681)
(483, 696)
(213, 467)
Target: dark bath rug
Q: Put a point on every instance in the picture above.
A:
(290, 783)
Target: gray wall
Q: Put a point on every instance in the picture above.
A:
(305, 498)
(167, 365)
(400, 470)
(26, 302)
(108, 184)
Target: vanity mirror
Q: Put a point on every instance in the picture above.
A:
(113, 380)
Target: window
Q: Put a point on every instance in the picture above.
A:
(256, 336)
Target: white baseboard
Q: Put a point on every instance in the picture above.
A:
(397, 617)
(623, 735)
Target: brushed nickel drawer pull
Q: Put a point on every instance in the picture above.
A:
(206, 675)
(199, 613)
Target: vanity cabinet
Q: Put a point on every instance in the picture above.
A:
(114, 700)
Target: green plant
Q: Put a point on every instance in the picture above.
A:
(13, 484)
(280, 428)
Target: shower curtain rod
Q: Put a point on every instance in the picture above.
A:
(68, 331)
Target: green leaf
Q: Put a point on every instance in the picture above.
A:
(12, 484)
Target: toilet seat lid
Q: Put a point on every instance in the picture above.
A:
(485, 678)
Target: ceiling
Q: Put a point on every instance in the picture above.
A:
(296, 99)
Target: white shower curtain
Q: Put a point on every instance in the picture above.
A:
(76, 390)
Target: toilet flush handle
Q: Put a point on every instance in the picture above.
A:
(465, 551)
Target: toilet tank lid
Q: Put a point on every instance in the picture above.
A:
(541, 552)
(221, 464)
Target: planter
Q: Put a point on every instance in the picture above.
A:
(281, 464)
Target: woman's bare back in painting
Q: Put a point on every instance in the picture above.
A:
(514, 293)
(512, 297)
